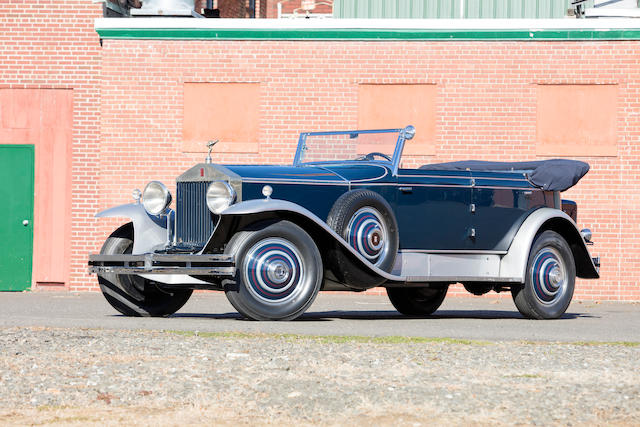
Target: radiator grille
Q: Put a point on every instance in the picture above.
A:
(194, 221)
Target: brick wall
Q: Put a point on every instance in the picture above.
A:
(232, 8)
(46, 44)
(291, 6)
(227, 8)
(487, 94)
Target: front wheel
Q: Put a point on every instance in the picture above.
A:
(133, 295)
(417, 301)
(550, 278)
(278, 271)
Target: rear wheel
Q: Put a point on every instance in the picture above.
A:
(133, 295)
(278, 271)
(417, 301)
(550, 278)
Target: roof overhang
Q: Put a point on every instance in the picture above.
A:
(369, 29)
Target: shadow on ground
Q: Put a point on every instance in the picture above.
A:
(389, 315)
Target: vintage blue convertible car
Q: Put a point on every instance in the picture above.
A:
(347, 216)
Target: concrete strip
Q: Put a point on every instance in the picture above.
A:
(336, 314)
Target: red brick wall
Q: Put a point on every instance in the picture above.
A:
(486, 109)
(271, 7)
(228, 8)
(232, 8)
(46, 44)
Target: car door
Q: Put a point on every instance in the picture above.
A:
(501, 202)
(433, 209)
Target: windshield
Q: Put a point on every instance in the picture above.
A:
(315, 147)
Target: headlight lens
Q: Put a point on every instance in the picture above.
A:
(220, 196)
(156, 198)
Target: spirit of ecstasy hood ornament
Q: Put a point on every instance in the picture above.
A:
(210, 145)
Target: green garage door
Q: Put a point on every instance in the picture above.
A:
(16, 217)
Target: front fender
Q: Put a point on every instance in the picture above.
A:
(262, 206)
(149, 231)
(514, 263)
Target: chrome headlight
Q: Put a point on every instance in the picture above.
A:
(220, 195)
(156, 198)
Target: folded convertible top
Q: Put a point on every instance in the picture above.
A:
(551, 175)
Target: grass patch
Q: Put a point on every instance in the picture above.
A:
(524, 376)
(330, 339)
(394, 339)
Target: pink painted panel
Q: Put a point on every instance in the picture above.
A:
(44, 117)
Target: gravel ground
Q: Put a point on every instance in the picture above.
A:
(94, 376)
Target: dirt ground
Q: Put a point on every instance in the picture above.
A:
(57, 376)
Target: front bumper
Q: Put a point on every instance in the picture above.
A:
(192, 265)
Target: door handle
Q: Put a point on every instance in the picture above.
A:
(25, 222)
(406, 189)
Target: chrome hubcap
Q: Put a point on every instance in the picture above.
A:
(278, 271)
(375, 239)
(555, 276)
(273, 270)
(367, 234)
(548, 276)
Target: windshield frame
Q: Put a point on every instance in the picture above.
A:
(403, 135)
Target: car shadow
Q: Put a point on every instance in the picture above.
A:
(325, 316)
(444, 314)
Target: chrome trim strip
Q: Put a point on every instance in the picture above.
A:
(221, 258)
(455, 279)
(463, 176)
(506, 188)
(393, 184)
(386, 172)
(197, 271)
(289, 181)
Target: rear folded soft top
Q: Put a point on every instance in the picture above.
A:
(550, 175)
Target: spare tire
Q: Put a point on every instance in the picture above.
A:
(366, 222)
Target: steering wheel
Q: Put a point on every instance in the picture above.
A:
(372, 155)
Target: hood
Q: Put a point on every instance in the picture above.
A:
(269, 173)
(329, 173)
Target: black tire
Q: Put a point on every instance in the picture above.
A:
(417, 301)
(133, 295)
(353, 214)
(278, 271)
(550, 278)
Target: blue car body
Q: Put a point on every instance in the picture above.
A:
(454, 224)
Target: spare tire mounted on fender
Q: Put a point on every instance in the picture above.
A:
(365, 220)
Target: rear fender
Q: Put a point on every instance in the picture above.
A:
(149, 231)
(514, 263)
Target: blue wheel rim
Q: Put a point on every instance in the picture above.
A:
(273, 270)
(548, 276)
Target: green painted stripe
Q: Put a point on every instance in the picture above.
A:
(365, 34)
